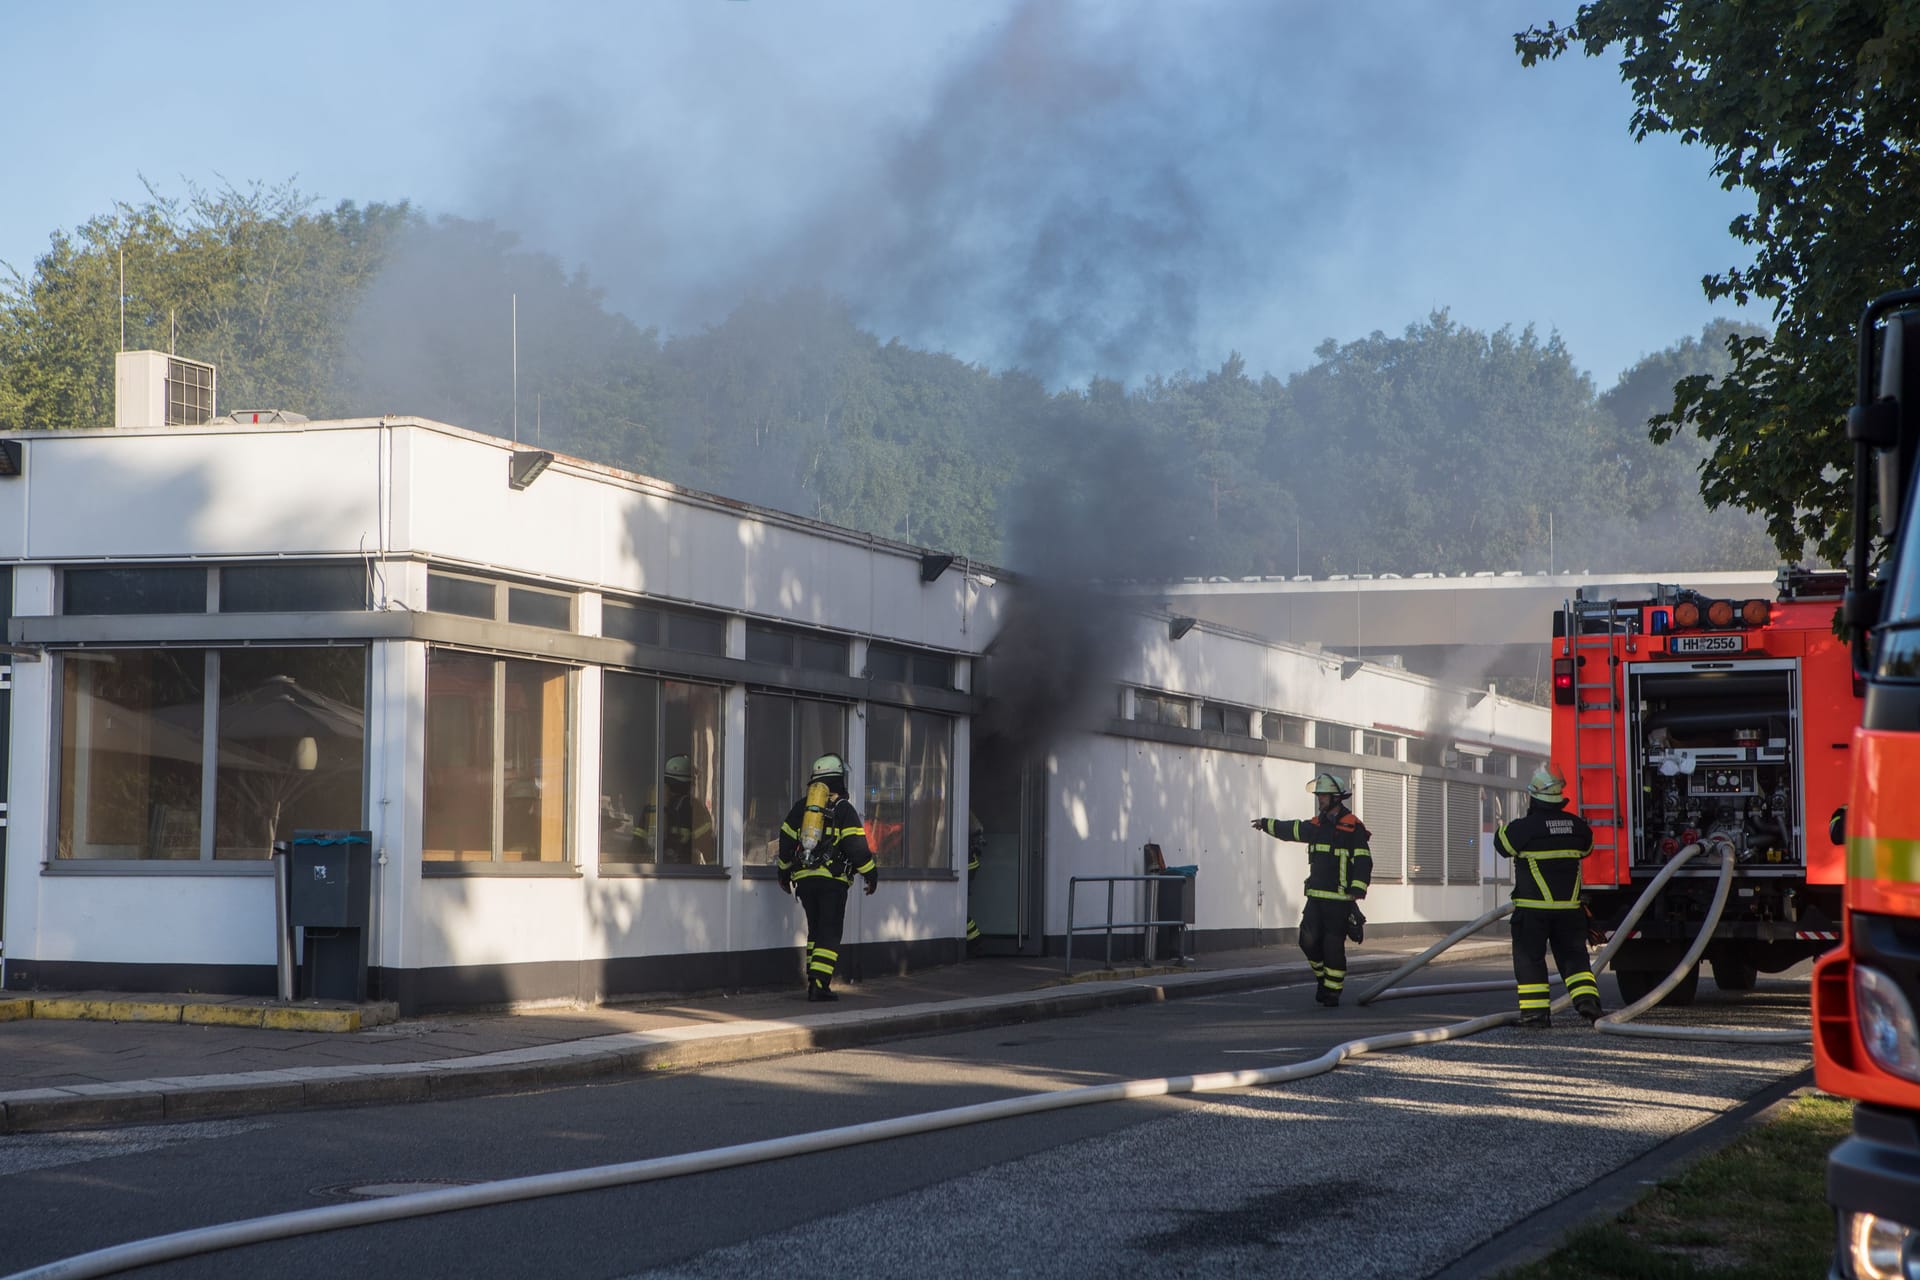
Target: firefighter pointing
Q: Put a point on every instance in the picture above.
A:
(1547, 844)
(1339, 865)
(822, 847)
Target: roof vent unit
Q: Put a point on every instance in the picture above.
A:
(154, 389)
(261, 417)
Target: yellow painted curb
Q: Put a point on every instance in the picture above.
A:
(13, 1009)
(312, 1019)
(75, 1010)
(221, 1015)
(141, 1011)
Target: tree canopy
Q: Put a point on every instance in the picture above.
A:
(1440, 449)
(1812, 106)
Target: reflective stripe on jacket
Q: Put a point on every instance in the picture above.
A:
(1547, 844)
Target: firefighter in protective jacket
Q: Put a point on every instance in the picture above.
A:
(1547, 844)
(1339, 866)
(823, 845)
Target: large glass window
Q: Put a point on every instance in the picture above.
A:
(1332, 737)
(785, 735)
(909, 771)
(497, 750)
(281, 733)
(1281, 728)
(659, 771)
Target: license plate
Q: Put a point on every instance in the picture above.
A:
(1706, 644)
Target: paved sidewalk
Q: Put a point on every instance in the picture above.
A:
(66, 1074)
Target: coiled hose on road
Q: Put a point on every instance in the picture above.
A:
(281, 1226)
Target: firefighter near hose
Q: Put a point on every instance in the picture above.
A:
(1547, 844)
(823, 845)
(1339, 866)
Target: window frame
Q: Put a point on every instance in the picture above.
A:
(798, 764)
(213, 742)
(940, 857)
(714, 796)
(497, 863)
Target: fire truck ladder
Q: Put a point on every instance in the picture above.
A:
(1596, 711)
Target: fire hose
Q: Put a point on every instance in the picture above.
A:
(281, 1226)
(1618, 1022)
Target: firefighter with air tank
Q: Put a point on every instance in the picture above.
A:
(1547, 844)
(1339, 865)
(823, 845)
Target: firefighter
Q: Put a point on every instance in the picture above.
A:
(1546, 845)
(818, 869)
(1339, 866)
(686, 824)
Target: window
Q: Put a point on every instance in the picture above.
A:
(497, 739)
(304, 588)
(804, 650)
(1498, 763)
(469, 597)
(1161, 708)
(533, 608)
(1384, 745)
(909, 666)
(665, 628)
(785, 735)
(1332, 737)
(659, 771)
(281, 732)
(909, 764)
(1278, 728)
(1221, 718)
(146, 590)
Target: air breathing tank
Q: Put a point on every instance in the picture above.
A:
(813, 823)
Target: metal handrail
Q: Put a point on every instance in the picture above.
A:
(1153, 910)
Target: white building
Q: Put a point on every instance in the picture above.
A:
(487, 657)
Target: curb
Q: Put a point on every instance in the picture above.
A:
(211, 1013)
(568, 1062)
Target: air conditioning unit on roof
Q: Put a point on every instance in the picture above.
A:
(154, 389)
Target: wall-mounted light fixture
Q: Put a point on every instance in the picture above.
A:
(525, 465)
(933, 564)
(13, 459)
(1350, 666)
(1179, 626)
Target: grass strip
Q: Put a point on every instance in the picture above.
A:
(1756, 1210)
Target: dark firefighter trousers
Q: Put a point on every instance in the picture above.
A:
(1323, 937)
(825, 901)
(1534, 930)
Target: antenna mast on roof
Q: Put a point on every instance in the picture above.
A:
(123, 297)
(516, 368)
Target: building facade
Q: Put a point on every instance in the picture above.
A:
(571, 705)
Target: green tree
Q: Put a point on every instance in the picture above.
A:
(1812, 106)
(251, 279)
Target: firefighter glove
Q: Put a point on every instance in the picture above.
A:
(873, 881)
(786, 883)
(1259, 824)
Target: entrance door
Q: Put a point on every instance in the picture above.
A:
(1006, 896)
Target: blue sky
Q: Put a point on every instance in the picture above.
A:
(1081, 188)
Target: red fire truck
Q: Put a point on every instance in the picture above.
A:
(1683, 719)
(1866, 1042)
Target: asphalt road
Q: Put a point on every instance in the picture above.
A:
(1413, 1163)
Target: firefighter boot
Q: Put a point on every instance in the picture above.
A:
(1588, 1008)
(1326, 996)
(817, 990)
(1541, 1020)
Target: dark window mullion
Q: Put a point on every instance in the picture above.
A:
(209, 749)
(499, 754)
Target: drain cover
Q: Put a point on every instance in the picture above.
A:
(390, 1187)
